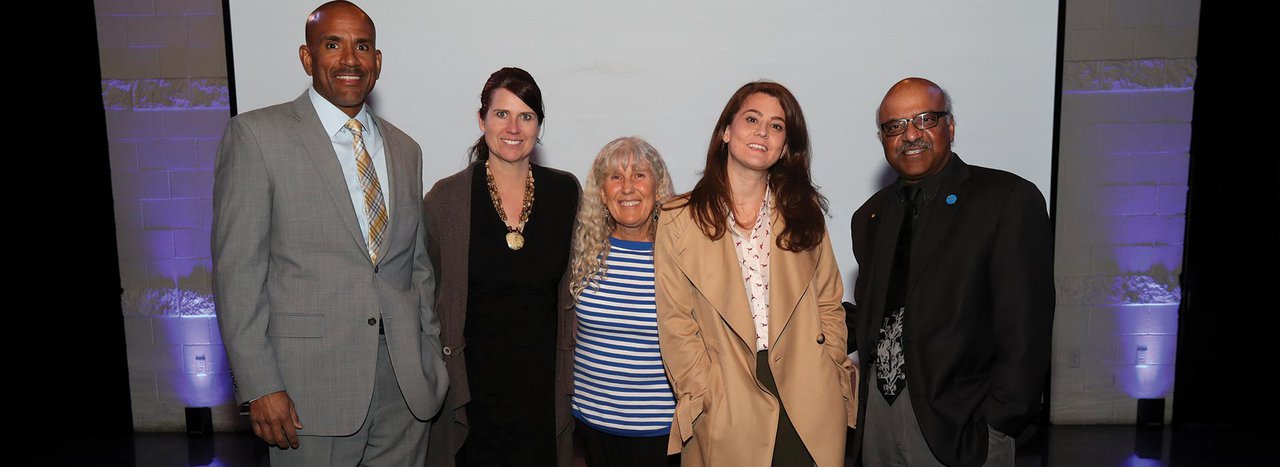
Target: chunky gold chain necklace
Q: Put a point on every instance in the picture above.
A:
(515, 235)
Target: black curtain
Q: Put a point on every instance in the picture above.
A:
(1229, 334)
(66, 335)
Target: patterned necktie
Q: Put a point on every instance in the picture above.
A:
(890, 374)
(374, 207)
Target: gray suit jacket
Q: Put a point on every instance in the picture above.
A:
(298, 300)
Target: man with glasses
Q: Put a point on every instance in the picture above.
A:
(955, 297)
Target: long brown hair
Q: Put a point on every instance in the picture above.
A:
(795, 197)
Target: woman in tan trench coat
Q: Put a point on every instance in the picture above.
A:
(748, 291)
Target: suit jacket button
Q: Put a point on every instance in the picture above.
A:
(373, 321)
(375, 269)
(448, 351)
(822, 338)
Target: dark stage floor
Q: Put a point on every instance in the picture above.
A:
(1055, 446)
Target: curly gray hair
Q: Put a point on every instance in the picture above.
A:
(594, 223)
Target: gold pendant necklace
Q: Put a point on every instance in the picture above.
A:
(515, 235)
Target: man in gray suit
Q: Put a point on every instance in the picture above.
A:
(321, 276)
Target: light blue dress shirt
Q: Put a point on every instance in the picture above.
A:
(334, 121)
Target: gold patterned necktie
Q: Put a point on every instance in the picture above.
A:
(374, 207)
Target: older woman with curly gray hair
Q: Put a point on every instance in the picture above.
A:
(621, 398)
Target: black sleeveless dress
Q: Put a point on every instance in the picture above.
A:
(511, 324)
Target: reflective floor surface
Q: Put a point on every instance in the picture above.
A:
(1055, 446)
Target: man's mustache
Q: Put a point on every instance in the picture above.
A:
(910, 145)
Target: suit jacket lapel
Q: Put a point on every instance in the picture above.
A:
(400, 179)
(706, 263)
(940, 216)
(319, 148)
(881, 260)
(790, 274)
(872, 232)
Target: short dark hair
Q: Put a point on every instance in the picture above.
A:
(518, 82)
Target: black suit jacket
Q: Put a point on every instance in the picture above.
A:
(976, 335)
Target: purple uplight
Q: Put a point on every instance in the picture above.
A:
(196, 390)
(1135, 461)
(1147, 328)
(199, 375)
(1146, 381)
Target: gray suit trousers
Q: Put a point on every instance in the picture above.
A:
(893, 438)
(390, 435)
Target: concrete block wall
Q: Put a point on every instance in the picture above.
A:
(164, 88)
(1128, 72)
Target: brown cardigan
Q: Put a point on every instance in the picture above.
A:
(447, 211)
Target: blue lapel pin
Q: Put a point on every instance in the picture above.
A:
(951, 198)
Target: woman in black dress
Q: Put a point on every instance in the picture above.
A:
(498, 235)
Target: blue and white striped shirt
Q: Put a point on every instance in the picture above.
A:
(618, 383)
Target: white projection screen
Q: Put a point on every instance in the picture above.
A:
(663, 70)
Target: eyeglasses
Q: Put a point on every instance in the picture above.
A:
(922, 122)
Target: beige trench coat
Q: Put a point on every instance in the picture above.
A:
(723, 414)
